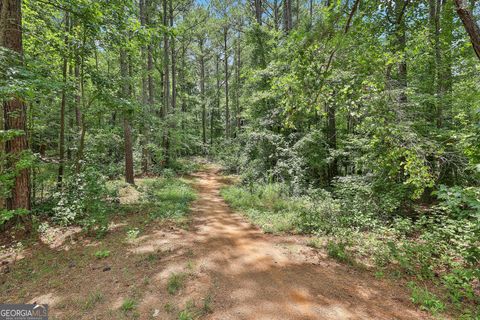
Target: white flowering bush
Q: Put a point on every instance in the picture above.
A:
(82, 200)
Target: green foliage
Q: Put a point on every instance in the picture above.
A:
(6, 215)
(360, 198)
(329, 136)
(83, 200)
(459, 283)
(338, 251)
(175, 282)
(128, 305)
(169, 197)
(93, 299)
(101, 254)
(266, 206)
(423, 247)
(425, 299)
(132, 234)
(320, 215)
(459, 202)
(185, 315)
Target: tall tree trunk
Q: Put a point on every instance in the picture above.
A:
(331, 137)
(61, 140)
(166, 72)
(445, 68)
(144, 59)
(401, 39)
(173, 61)
(71, 124)
(202, 92)
(166, 84)
(438, 65)
(217, 99)
(276, 14)
(227, 110)
(81, 147)
(78, 101)
(238, 65)
(287, 15)
(80, 118)
(470, 25)
(258, 11)
(310, 11)
(127, 131)
(14, 108)
(398, 40)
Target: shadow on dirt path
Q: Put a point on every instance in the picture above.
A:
(260, 276)
(218, 266)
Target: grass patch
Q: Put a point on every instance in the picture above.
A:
(265, 206)
(175, 282)
(315, 243)
(207, 305)
(101, 254)
(186, 315)
(425, 299)
(128, 305)
(152, 257)
(169, 307)
(168, 198)
(92, 300)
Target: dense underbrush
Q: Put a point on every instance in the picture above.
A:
(436, 248)
(88, 200)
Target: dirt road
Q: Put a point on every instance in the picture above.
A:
(259, 276)
(218, 267)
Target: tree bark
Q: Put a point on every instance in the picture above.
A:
(14, 107)
(144, 59)
(276, 14)
(129, 176)
(81, 147)
(166, 84)
(202, 92)
(238, 65)
(258, 11)
(444, 71)
(332, 138)
(470, 25)
(78, 101)
(227, 110)
(401, 42)
(287, 15)
(217, 99)
(61, 140)
(173, 62)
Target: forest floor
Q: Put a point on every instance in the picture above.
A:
(214, 266)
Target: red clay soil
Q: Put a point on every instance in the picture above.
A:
(260, 276)
(230, 270)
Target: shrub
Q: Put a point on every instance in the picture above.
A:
(363, 203)
(427, 300)
(319, 216)
(83, 200)
(459, 202)
(338, 251)
(459, 284)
